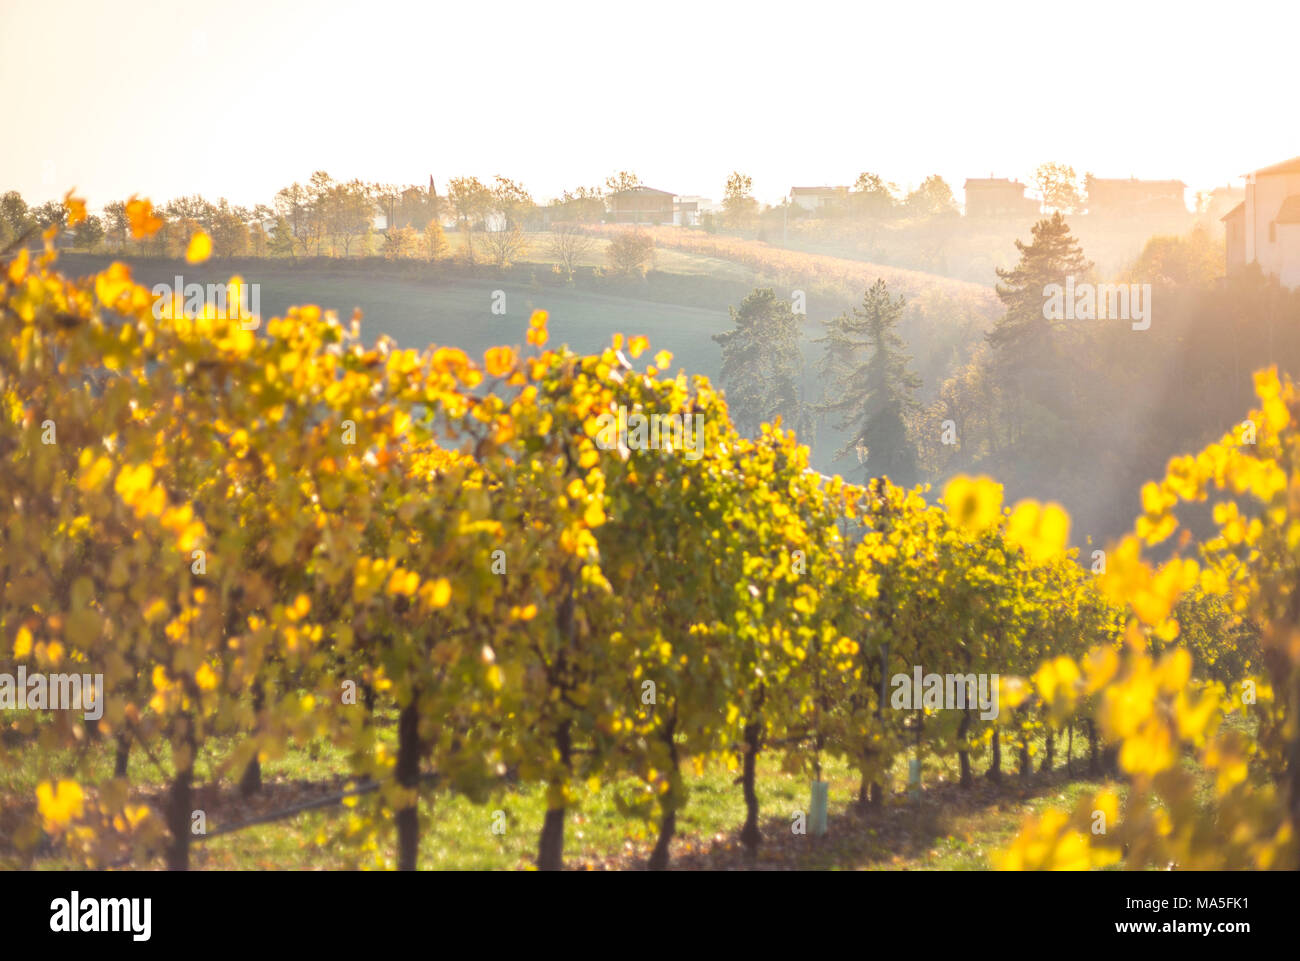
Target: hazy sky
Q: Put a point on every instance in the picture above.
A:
(241, 97)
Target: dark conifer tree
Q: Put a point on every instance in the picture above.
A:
(868, 373)
(762, 367)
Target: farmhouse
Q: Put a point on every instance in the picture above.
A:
(641, 205)
(1264, 228)
(819, 199)
(991, 197)
(1134, 198)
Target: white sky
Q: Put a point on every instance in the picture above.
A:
(244, 96)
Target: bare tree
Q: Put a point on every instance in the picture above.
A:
(292, 205)
(739, 206)
(569, 244)
(631, 252)
(507, 205)
(321, 194)
(623, 180)
(1059, 186)
(351, 212)
(469, 200)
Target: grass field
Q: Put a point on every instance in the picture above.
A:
(537, 250)
(947, 828)
(679, 307)
(459, 312)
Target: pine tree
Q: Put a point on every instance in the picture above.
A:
(1033, 367)
(762, 366)
(1053, 256)
(867, 369)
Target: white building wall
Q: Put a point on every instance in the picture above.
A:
(1250, 220)
(1288, 249)
(1269, 192)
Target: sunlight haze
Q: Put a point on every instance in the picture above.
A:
(253, 95)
